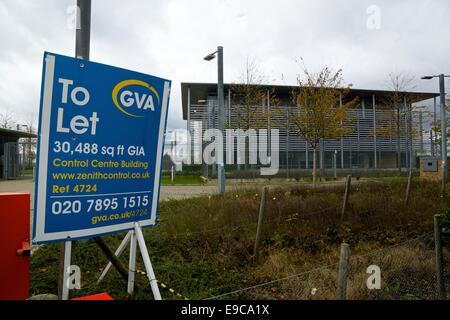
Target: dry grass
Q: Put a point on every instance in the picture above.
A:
(203, 247)
(407, 272)
(303, 230)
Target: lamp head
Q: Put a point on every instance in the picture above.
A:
(210, 56)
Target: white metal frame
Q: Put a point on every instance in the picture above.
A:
(67, 255)
(136, 238)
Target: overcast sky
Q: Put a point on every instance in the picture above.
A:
(367, 39)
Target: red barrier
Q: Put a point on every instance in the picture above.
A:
(99, 296)
(14, 246)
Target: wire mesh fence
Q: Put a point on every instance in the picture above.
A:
(404, 271)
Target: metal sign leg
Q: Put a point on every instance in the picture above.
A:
(118, 252)
(67, 254)
(132, 263)
(147, 262)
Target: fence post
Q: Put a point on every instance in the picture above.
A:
(408, 186)
(262, 209)
(342, 277)
(346, 195)
(439, 258)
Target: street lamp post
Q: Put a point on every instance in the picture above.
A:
(221, 114)
(83, 32)
(443, 129)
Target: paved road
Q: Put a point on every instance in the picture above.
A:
(167, 192)
(170, 192)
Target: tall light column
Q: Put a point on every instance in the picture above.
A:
(443, 134)
(221, 115)
(443, 130)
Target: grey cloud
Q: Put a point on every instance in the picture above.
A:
(170, 38)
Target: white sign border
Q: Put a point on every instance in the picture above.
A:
(44, 135)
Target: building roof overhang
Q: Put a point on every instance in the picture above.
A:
(16, 134)
(200, 91)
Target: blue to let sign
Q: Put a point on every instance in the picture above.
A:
(101, 135)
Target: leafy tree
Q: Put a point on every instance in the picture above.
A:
(436, 126)
(321, 110)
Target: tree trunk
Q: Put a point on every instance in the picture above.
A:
(314, 173)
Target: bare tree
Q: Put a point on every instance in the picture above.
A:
(249, 97)
(251, 101)
(31, 142)
(7, 119)
(400, 102)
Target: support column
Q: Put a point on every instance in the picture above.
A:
(405, 105)
(229, 107)
(214, 125)
(363, 108)
(238, 150)
(287, 143)
(431, 143)
(342, 138)
(268, 125)
(434, 111)
(188, 132)
(307, 154)
(433, 147)
(421, 130)
(375, 133)
(228, 126)
(358, 155)
(411, 141)
(321, 156)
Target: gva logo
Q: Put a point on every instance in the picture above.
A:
(130, 96)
